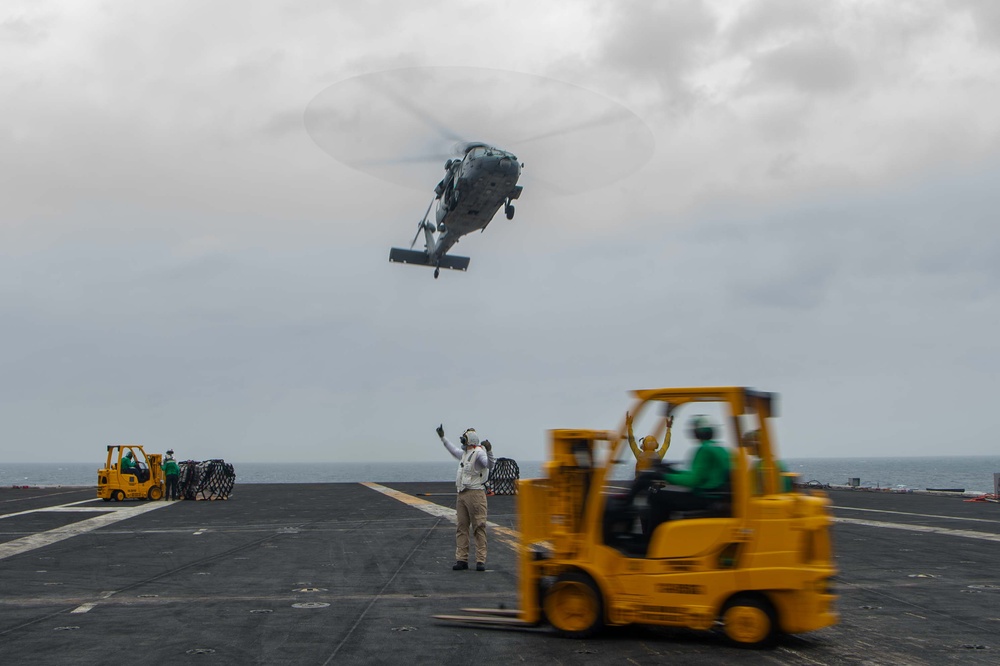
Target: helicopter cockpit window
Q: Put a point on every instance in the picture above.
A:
(477, 152)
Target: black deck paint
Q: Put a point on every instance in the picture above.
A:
(218, 583)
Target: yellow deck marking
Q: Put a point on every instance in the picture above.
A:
(507, 536)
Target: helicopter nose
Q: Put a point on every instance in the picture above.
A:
(507, 166)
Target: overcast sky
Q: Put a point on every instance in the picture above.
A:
(181, 265)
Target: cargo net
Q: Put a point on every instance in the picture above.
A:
(503, 477)
(208, 480)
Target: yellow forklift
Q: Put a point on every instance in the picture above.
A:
(118, 480)
(756, 562)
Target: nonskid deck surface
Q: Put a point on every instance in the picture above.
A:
(352, 573)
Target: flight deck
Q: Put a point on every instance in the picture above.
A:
(352, 574)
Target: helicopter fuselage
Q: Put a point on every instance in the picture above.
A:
(472, 192)
(469, 195)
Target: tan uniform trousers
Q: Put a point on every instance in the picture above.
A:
(471, 512)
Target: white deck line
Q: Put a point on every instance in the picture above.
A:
(69, 507)
(33, 541)
(919, 515)
(510, 536)
(965, 534)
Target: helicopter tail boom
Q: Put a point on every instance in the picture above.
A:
(402, 256)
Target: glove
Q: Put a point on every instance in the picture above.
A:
(487, 445)
(440, 430)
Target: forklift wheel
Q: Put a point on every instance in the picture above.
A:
(573, 606)
(155, 493)
(118, 495)
(749, 621)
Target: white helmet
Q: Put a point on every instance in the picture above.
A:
(470, 438)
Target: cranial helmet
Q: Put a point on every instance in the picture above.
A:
(702, 428)
(649, 443)
(128, 454)
(469, 438)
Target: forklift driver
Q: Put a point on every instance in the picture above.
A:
(132, 466)
(129, 466)
(705, 483)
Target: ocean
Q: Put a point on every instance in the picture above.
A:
(972, 473)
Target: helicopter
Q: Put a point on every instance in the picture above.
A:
(468, 197)
(391, 124)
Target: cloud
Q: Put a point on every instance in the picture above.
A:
(181, 262)
(758, 23)
(660, 42)
(24, 31)
(807, 67)
(986, 19)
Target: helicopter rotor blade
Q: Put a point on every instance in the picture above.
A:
(408, 105)
(549, 187)
(394, 124)
(416, 235)
(411, 159)
(610, 118)
(458, 149)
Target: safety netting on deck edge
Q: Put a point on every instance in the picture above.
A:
(206, 480)
(504, 476)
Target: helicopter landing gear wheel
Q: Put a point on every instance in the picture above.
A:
(573, 606)
(437, 271)
(509, 211)
(749, 621)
